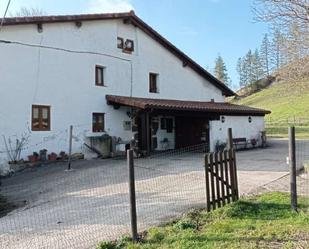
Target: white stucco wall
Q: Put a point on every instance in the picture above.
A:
(240, 128)
(65, 80)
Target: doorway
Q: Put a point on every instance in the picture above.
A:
(191, 131)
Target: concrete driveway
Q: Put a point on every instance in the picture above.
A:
(78, 209)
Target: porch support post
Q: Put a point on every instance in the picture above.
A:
(145, 132)
(148, 134)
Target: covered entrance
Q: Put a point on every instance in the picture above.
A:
(167, 124)
(163, 124)
(191, 131)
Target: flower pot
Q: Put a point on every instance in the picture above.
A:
(32, 158)
(52, 157)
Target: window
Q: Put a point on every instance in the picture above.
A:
(167, 124)
(129, 45)
(98, 122)
(40, 118)
(120, 43)
(99, 76)
(153, 84)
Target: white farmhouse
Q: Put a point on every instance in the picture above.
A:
(108, 74)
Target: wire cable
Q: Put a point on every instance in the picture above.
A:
(6, 11)
(62, 49)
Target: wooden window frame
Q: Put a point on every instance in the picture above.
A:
(40, 107)
(126, 49)
(155, 88)
(97, 68)
(94, 126)
(122, 42)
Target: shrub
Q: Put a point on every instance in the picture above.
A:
(107, 245)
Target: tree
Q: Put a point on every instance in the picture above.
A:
(282, 12)
(265, 55)
(257, 67)
(220, 70)
(277, 48)
(24, 11)
(290, 20)
(242, 75)
(248, 67)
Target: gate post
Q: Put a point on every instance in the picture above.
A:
(208, 206)
(292, 162)
(230, 138)
(233, 168)
(133, 215)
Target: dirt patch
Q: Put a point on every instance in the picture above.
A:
(5, 206)
(282, 184)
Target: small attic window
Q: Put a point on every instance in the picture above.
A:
(129, 45)
(120, 42)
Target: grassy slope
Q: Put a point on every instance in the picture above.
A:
(264, 221)
(286, 101)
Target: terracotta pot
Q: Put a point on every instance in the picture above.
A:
(32, 158)
(52, 157)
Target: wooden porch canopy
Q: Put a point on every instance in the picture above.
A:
(220, 108)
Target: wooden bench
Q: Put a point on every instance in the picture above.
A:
(240, 141)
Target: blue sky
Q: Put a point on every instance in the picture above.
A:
(201, 28)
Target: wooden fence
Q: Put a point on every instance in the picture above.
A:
(221, 178)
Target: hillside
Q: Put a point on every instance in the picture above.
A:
(288, 102)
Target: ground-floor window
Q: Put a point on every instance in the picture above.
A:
(40, 120)
(98, 122)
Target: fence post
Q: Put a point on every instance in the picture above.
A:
(70, 146)
(133, 215)
(230, 138)
(207, 183)
(292, 162)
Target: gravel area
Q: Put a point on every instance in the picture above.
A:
(77, 209)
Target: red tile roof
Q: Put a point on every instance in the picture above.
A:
(129, 17)
(183, 105)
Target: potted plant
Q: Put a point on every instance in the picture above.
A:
(63, 155)
(253, 142)
(34, 157)
(52, 156)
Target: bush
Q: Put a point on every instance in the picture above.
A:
(220, 146)
(107, 245)
(185, 224)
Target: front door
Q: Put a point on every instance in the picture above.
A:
(191, 131)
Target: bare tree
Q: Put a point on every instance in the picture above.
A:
(282, 11)
(15, 146)
(24, 11)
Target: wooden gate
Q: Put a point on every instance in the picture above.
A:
(221, 178)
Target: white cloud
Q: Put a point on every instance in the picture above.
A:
(109, 6)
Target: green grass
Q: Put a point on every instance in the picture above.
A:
(264, 221)
(288, 101)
